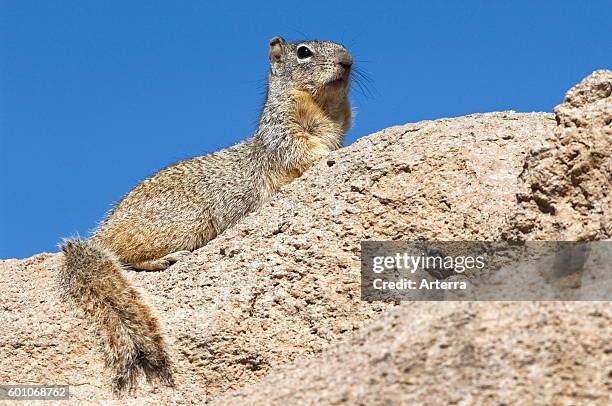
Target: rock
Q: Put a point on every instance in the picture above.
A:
(279, 294)
(455, 353)
(566, 191)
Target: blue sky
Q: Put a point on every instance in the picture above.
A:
(97, 95)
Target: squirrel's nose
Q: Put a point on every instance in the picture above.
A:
(344, 59)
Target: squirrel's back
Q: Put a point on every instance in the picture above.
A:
(182, 207)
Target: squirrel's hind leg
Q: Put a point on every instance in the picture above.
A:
(161, 263)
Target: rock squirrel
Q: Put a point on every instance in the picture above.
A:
(179, 209)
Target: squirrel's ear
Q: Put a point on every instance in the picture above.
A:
(276, 49)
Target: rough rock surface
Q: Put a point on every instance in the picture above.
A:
(546, 353)
(283, 285)
(567, 181)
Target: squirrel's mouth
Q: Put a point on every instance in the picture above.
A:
(338, 82)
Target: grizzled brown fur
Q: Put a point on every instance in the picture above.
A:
(182, 207)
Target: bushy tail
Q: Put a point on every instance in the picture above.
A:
(92, 279)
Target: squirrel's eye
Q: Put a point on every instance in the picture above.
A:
(303, 52)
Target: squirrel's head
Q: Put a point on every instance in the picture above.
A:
(314, 66)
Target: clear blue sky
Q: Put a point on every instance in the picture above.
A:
(97, 95)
